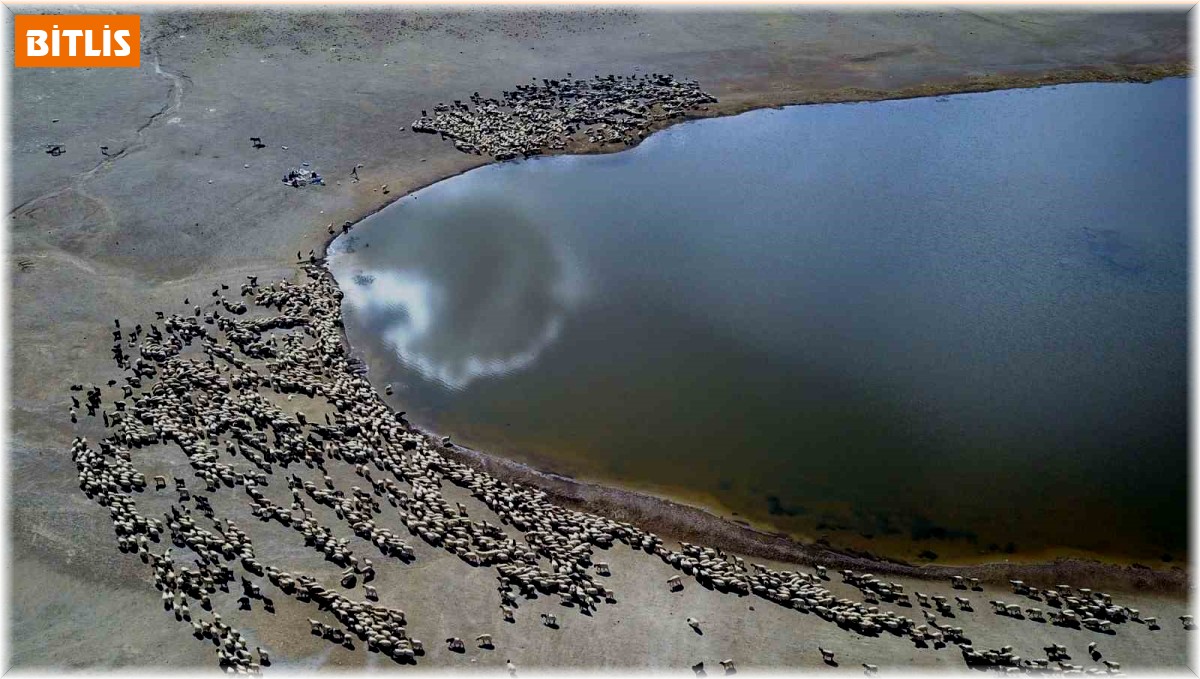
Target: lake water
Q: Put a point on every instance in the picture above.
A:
(951, 326)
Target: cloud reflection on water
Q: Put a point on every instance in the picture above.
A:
(462, 298)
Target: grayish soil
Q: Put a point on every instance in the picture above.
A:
(174, 209)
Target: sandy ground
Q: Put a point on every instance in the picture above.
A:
(173, 209)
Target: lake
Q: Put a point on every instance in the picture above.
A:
(947, 329)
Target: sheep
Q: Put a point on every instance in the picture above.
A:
(827, 656)
(484, 641)
(1056, 652)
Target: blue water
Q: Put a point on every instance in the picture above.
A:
(953, 325)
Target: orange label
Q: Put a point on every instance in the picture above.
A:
(77, 40)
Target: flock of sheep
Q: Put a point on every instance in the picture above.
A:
(196, 384)
(533, 119)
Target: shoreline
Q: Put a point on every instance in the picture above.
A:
(681, 521)
(671, 517)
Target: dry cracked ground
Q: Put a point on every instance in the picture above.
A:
(179, 202)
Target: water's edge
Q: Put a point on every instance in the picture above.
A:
(675, 519)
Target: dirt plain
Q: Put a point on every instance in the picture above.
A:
(182, 202)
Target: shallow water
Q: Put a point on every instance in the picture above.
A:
(953, 325)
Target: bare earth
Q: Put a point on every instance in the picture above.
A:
(173, 210)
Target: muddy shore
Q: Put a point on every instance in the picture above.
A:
(692, 524)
